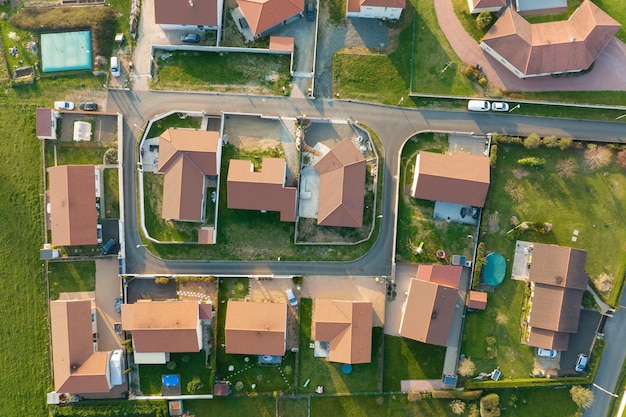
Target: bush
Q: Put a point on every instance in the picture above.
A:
(532, 141)
(582, 397)
(550, 141)
(111, 408)
(621, 159)
(478, 265)
(484, 19)
(598, 156)
(470, 72)
(194, 385)
(457, 407)
(466, 367)
(532, 161)
(565, 143)
(162, 280)
(493, 156)
(490, 405)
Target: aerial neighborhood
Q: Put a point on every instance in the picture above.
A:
(313, 207)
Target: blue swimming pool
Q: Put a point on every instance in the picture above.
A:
(170, 380)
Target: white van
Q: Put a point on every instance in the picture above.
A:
(115, 66)
(478, 105)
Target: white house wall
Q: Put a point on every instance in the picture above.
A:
(150, 358)
(371, 12)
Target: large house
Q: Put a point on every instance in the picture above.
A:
(188, 14)
(262, 190)
(456, 178)
(72, 204)
(187, 157)
(345, 327)
(375, 9)
(429, 308)
(79, 368)
(254, 328)
(264, 15)
(161, 327)
(558, 280)
(342, 186)
(534, 50)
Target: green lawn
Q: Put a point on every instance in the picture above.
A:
(233, 407)
(71, 277)
(469, 20)
(226, 72)
(188, 366)
(111, 193)
(408, 359)
(173, 121)
(73, 153)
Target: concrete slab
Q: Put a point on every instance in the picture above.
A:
(393, 309)
(522, 259)
(466, 143)
(309, 193)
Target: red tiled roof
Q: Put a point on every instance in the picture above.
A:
(205, 236)
(72, 196)
(477, 300)
(281, 43)
(186, 12)
(448, 275)
(458, 178)
(262, 15)
(256, 328)
(559, 265)
(45, 123)
(479, 4)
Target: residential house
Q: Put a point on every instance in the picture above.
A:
(342, 186)
(46, 123)
(456, 178)
(534, 50)
(262, 190)
(161, 327)
(479, 6)
(78, 366)
(375, 9)
(264, 15)
(345, 327)
(254, 328)
(430, 305)
(72, 204)
(558, 280)
(188, 14)
(187, 157)
(477, 300)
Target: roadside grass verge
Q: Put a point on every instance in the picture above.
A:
(407, 359)
(363, 378)
(71, 277)
(224, 72)
(415, 217)
(187, 365)
(111, 193)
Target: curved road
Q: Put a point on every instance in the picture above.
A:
(393, 125)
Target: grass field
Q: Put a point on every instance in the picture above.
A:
(188, 366)
(111, 193)
(71, 277)
(173, 121)
(72, 153)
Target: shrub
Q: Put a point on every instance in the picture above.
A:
(566, 168)
(550, 141)
(470, 72)
(582, 397)
(162, 280)
(466, 367)
(490, 405)
(414, 396)
(493, 155)
(532, 161)
(532, 141)
(482, 81)
(457, 407)
(171, 365)
(194, 385)
(597, 156)
(484, 19)
(565, 143)
(478, 265)
(621, 159)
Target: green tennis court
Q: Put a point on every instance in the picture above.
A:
(66, 51)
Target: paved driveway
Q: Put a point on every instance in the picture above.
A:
(108, 288)
(393, 313)
(146, 289)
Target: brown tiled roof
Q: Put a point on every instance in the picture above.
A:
(205, 235)
(220, 389)
(163, 326)
(261, 190)
(401, 4)
(77, 369)
(186, 12)
(555, 308)
(558, 265)
(262, 15)
(256, 328)
(281, 43)
(347, 326)
(448, 275)
(552, 47)
(428, 313)
(186, 156)
(342, 186)
(206, 311)
(72, 196)
(479, 4)
(477, 300)
(547, 339)
(44, 123)
(458, 178)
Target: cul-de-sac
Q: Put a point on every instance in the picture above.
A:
(313, 208)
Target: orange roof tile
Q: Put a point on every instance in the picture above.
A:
(448, 275)
(262, 15)
(186, 12)
(256, 328)
(281, 43)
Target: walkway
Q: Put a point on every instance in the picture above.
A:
(607, 73)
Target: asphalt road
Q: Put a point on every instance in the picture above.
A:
(393, 125)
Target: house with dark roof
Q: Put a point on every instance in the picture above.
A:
(46, 123)
(453, 178)
(254, 328)
(265, 15)
(188, 14)
(342, 186)
(186, 158)
(79, 368)
(262, 190)
(375, 9)
(479, 6)
(431, 302)
(159, 328)
(558, 280)
(345, 327)
(534, 50)
(72, 204)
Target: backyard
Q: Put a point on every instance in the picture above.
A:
(111, 193)
(74, 153)
(71, 277)
(190, 367)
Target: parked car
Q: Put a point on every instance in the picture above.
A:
(108, 247)
(88, 106)
(310, 15)
(291, 297)
(115, 67)
(64, 105)
(478, 105)
(581, 363)
(547, 353)
(500, 106)
(190, 38)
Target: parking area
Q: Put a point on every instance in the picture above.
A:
(147, 289)
(467, 143)
(104, 126)
(111, 230)
(580, 342)
(393, 313)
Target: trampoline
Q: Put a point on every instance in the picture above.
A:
(66, 51)
(494, 270)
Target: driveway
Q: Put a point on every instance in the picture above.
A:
(580, 342)
(108, 288)
(147, 289)
(393, 314)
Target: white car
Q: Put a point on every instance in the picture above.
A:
(581, 362)
(64, 105)
(291, 297)
(500, 106)
(547, 353)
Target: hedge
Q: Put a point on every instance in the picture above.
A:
(111, 409)
(527, 382)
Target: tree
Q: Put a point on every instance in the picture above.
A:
(484, 19)
(466, 367)
(457, 407)
(597, 156)
(532, 141)
(582, 397)
(490, 405)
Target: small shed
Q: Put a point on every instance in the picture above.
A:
(221, 389)
(175, 408)
(477, 300)
(82, 131)
(46, 124)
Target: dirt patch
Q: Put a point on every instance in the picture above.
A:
(493, 223)
(520, 173)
